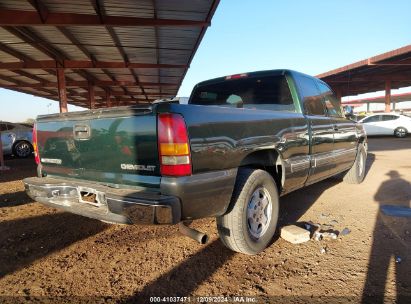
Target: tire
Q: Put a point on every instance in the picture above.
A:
(400, 132)
(357, 172)
(250, 226)
(22, 149)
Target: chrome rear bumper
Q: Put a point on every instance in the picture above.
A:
(123, 206)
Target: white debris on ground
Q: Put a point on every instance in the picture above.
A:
(309, 230)
(295, 234)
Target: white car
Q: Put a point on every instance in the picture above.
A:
(16, 139)
(387, 124)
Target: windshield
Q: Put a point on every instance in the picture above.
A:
(266, 93)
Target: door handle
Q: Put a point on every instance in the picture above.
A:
(335, 127)
(81, 132)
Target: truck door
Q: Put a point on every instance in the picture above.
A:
(345, 138)
(321, 129)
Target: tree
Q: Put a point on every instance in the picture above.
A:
(30, 121)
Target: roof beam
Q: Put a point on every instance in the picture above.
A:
(157, 45)
(21, 84)
(85, 51)
(123, 54)
(38, 94)
(113, 79)
(377, 78)
(83, 84)
(33, 18)
(84, 64)
(114, 93)
(29, 75)
(391, 62)
(75, 42)
(22, 35)
(100, 11)
(34, 41)
(40, 8)
(44, 46)
(17, 54)
(200, 37)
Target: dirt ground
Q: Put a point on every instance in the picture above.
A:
(47, 254)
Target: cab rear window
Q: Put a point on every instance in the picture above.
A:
(265, 93)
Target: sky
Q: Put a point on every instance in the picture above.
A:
(310, 36)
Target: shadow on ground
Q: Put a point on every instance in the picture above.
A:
(14, 199)
(182, 280)
(18, 169)
(391, 244)
(26, 240)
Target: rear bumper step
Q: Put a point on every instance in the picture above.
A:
(122, 206)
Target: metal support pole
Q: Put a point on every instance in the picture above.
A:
(338, 94)
(61, 80)
(388, 96)
(91, 96)
(368, 107)
(108, 98)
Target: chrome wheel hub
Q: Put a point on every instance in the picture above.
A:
(23, 149)
(259, 212)
(401, 132)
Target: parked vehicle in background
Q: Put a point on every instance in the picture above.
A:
(240, 143)
(16, 139)
(387, 124)
(357, 118)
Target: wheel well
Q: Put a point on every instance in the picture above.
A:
(362, 141)
(268, 160)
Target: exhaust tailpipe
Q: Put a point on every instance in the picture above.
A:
(196, 235)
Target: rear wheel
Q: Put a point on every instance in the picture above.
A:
(400, 132)
(250, 225)
(357, 172)
(22, 149)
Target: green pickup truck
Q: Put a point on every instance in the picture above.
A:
(240, 143)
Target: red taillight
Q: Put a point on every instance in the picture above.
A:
(35, 146)
(173, 145)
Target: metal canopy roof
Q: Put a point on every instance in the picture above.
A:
(372, 74)
(401, 97)
(119, 51)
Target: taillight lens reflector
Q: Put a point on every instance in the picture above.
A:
(35, 146)
(174, 148)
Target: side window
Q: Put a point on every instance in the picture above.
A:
(374, 118)
(389, 117)
(332, 105)
(311, 97)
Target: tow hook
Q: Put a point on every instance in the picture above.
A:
(196, 235)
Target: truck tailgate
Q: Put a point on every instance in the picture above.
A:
(113, 146)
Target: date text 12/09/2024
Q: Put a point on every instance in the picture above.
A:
(205, 299)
